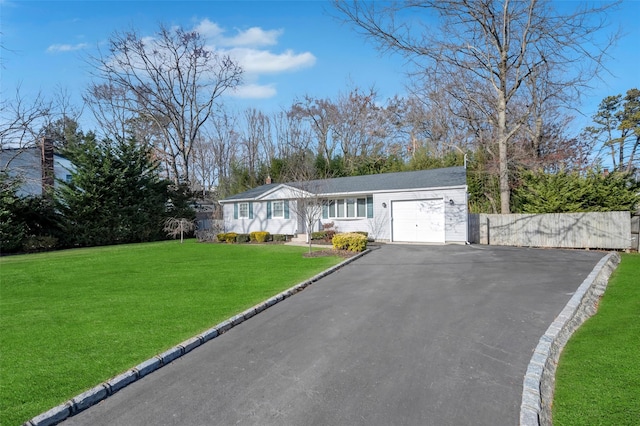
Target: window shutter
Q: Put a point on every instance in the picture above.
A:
(370, 206)
(325, 210)
(235, 210)
(250, 210)
(268, 209)
(286, 209)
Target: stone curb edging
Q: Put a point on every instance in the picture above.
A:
(539, 381)
(104, 390)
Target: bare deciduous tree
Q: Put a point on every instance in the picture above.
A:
(320, 114)
(173, 79)
(174, 226)
(485, 52)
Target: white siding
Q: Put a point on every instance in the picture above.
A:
(259, 221)
(379, 227)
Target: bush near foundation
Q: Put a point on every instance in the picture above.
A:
(259, 236)
(350, 241)
(243, 238)
(230, 237)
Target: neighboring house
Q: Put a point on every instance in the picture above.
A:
(33, 167)
(421, 206)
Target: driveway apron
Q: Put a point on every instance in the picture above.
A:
(406, 335)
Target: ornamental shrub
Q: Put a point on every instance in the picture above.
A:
(230, 237)
(259, 236)
(221, 237)
(279, 237)
(243, 238)
(350, 241)
(329, 237)
(320, 235)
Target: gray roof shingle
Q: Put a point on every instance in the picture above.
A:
(433, 178)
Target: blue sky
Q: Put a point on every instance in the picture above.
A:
(288, 48)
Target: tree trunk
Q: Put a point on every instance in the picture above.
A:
(505, 192)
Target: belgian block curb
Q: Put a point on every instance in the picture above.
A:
(104, 390)
(539, 380)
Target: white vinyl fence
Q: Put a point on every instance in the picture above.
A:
(607, 230)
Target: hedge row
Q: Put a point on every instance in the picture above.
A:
(257, 237)
(328, 235)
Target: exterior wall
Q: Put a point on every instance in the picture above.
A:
(27, 164)
(260, 221)
(602, 230)
(379, 227)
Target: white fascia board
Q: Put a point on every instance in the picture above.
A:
(282, 186)
(265, 194)
(387, 191)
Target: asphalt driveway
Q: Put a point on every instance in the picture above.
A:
(406, 335)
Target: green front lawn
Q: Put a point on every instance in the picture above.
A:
(598, 376)
(73, 319)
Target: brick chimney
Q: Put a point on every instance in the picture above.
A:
(47, 166)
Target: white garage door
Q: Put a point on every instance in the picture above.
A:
(418, 221)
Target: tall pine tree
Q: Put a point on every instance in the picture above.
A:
(115, 194)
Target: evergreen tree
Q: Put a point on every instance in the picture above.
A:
(572, 192)
(115, 194)
(12, 227)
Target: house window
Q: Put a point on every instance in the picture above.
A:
(278, 209)
(332, 208)
(243, 210)
(349, 208)
(340, 208)
(362, 207)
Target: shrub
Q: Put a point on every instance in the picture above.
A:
(320, 235)
(366, 234)
(230, 237)
(350, 241)
(39, 243)
(243, 238)
(279, 237)
(259, 236)
(222, 237)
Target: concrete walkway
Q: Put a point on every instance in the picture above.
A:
(406, 335)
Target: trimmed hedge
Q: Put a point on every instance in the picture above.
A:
(351, 241)
(259, 236)
(243, 238)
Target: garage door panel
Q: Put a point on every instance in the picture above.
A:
(418, 220)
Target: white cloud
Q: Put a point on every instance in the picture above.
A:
(254, 36)
(208, 29)
(255, 61)
(254, 91)
(55, 48)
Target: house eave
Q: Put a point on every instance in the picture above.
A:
(387, 191)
